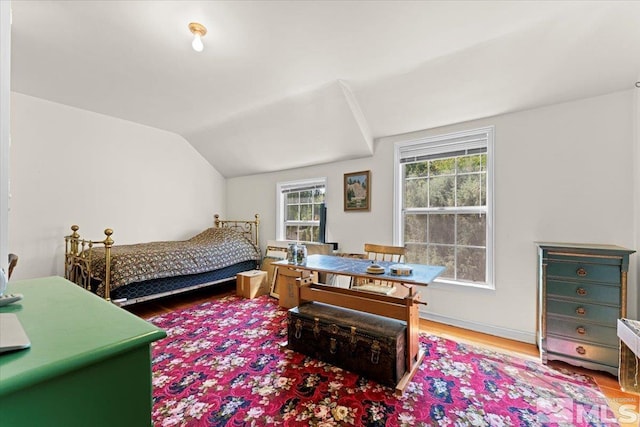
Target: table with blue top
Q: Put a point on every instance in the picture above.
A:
(401, 305)
(421, 274)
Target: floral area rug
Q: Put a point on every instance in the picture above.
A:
(221, 365)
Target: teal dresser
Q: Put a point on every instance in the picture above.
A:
(582, 291)
(89, 363)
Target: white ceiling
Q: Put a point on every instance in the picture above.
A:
(284, 84)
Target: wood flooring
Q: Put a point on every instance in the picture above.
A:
(608, 383)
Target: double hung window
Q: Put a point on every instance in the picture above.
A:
(299, 209)
(444, 204)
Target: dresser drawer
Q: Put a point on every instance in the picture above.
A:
(582, 270)
(592, 312)
(598, 334)
(583, 291)
(580, 350)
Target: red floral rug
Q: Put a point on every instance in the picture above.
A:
(221, 365)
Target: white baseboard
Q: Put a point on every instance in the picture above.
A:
(512, 334)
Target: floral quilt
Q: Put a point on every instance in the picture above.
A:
(210, 250)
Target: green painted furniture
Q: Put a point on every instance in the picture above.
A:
(582, 291)
(89, 363)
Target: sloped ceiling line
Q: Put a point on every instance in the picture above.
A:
(358, 115)
(319, 126)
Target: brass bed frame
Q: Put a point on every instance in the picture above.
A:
(79, 253)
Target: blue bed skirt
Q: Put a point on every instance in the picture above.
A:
(148, 288)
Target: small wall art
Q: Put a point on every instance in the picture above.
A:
(357, 191)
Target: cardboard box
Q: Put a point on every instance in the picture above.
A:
(286, 286)
(252, 283)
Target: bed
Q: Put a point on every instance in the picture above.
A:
(128, 274)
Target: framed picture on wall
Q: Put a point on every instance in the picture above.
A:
(357, 191)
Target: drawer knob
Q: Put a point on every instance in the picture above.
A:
(580, 330)
(580, 350)
(581, 272)
(581, 311)
(581, 291)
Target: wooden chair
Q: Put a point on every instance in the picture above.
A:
(380, 253)
(385, 253)
(13, 261)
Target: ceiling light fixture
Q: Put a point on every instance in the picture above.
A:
(198, 31)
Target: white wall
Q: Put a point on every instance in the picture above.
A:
(563, 173)
(5, 116)
(257, 194)
(636, 164)
(71, 166)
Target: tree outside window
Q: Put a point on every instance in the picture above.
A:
(443, 203)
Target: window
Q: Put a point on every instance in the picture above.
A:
(444, 204)
(300, 205)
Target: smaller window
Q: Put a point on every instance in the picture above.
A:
(300, 204)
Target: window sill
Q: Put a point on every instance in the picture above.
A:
(450, 284)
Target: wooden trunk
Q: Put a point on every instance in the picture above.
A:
(366, 344)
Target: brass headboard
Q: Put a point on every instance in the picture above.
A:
(249, 228)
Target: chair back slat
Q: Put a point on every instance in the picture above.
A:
(376, 252)
(385, 253)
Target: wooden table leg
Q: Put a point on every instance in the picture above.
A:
(414, 353)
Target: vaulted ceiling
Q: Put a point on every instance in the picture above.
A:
(285, 84)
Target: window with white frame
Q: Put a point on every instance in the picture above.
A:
(444, 204)
(299, 209)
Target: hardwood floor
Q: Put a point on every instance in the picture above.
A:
(179, 301)
(608, 384)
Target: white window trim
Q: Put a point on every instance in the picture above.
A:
(441, 141)
(280, 186)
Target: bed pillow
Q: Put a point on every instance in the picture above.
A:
(217, 234)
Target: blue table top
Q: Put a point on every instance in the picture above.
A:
(421, 274)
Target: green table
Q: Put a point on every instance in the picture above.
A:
(89, 363)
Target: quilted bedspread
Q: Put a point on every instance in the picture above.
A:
(212, 249)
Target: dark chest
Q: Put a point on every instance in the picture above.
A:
(366, 344)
